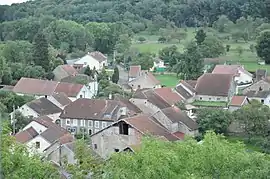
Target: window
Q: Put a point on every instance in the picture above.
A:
(67, 121)
(90, 124)
(95, 146)
(37, 145)
(139, 86)
(90, 131)
(123, 128)
(69, 129)
(46, 96)
(116, 150)
(209, 98)
(75, 122)
(200, 98)
(73, 130)
(103, 125)
(262, 100)
(81, 96)
(218, 99)
(58, 122)
(82, 129)
(96, 124)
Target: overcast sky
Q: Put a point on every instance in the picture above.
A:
(9, 2)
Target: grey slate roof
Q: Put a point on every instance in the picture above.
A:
(43, 106)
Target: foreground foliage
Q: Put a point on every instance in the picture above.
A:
(214, 158)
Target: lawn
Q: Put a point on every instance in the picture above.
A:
(169, 80)
(210, 103)
(247, 58)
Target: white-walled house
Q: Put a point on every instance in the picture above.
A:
(40, 107)
(94, 60)
(40, 133)
(241, 76)
(44, 88)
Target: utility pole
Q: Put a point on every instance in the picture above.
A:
(14, 120)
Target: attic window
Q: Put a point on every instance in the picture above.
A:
(123, 129)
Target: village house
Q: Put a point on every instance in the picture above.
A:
(95, 60)
(261, 85)
(152, 100)
(88, 81)
(237, 102)
(215, 87)
(59, 99)
(186, 91)
(127, 132)
(242, 77)
(144, 80)
(40, 107)
(158, 66)
(92, 115)
(63, 71)
(261, 96)
(177, 121)
(44, 88)
(41, 133)
(134, 72)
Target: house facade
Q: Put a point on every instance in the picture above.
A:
(237, 102)
(94, 60)
(127, 132)
(215, 87)
(261, 85)
(145, 80)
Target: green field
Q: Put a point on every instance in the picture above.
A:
(168, 80)
(250, 146)
(247, 58)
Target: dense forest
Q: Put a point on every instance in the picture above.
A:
(139, 12)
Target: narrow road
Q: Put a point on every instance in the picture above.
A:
(123, 75)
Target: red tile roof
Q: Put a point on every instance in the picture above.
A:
(146, 125)
(168, 95)
(134, 71)
(180, 135)
(98, 56)
(26, 135)
(230, 69)
(35, 86)
(69, 69)
(214, 84)
(238, 100)
(69, 89)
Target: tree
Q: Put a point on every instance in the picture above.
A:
(16, 160)
(141, 39)
(239, 50)
(190, 64)
(34, 72)
(211, 47)
(145, 59)
(254, 118)
(251, 48)
(88, 71)
(41, 51)
(228, 48)
(86, 165)
(20, 121)
(237, 35)
(123, 44)
(263, 46)
(217, 120)
(200, 36)
(161, 39)
(215, 157)
(178, 35)
(169, 55)
(223, 24)
(115, 76)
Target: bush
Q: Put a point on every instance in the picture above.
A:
(141, 39)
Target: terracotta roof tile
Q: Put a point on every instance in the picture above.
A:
(146, 125)
(238, 100)
(61, 98)
(69, 69)
(180, 135)
(26, 135)
(35, 86)
(98, 56)
(71, 90)
(214, 84)
(168, 95)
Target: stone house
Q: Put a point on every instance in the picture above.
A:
(59, 99)
(92, 115)
(126, 132)
(186, 91)
(144, 80)
(261, 85)
(63, 71)
(215, 87)
(261, 96)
